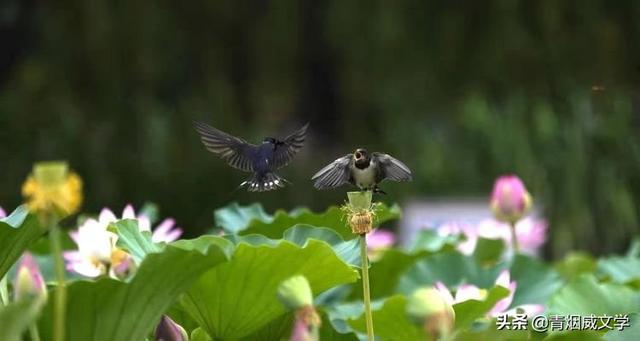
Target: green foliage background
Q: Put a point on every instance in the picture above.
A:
(462, 91)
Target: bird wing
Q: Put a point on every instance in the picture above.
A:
(234, 150)
(390, 168)
(286, 150)
(334, 174)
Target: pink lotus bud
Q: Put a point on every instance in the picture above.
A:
(29, 280)
(169, 330)
(510, 200)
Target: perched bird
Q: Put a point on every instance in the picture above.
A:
(261, 160)
(363, 170)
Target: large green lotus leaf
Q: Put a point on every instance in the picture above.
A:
(16, 317)
(469, 311)
(234, 218)
(384, 273)
(620, 269)
(278, 329)
(390, 322)
(634, 248)
(328, 332)
(347, 250)
(137, 243)
(575, 335)
(113, 310)
(238, 298)
(177, 313)
(575, 264)
(253, 219)
(489, 331)
(489, 251)
(199, 334)
(430, 240)
(451, 268)
(340, 314)
(585, 296)
(17, 232)
(536, 281)
(629, 333)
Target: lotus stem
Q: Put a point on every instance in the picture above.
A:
(33, 332)
(360, 217)
(514, 237)
(59, 316)
(365, 287)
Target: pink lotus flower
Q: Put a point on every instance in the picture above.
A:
(3, 214)
(467, 292)
(510, 200)
(380, 239)
(307, 322)
(97, 253)
(460, 228)
(29, 281)
(531, 234)
(302, 332)
(165, 232)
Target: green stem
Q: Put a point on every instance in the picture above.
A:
(33, 332)
(514, 238)
(365, 286)
(60, 302)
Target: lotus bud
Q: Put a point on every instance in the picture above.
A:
(427, 307)
(510, 200)
(306, 325)
(295, 293)
(169, 330)
(29, 281)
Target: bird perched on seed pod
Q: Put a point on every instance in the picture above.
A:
(362, 170)
(261, 160)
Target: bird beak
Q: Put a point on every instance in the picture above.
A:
(357, 155)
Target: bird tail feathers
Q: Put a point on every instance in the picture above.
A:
(264, 182)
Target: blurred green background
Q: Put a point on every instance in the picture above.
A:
(462, 91)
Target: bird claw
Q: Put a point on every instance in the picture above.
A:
(377, 190)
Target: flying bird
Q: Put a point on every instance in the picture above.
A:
(260, 160)
(362, 170)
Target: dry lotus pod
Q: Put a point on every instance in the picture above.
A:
(361, 222)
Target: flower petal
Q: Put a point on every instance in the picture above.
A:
(106, 217)
(128, 212)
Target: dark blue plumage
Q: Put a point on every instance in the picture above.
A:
(261, 160)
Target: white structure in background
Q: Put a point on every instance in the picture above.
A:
(432, 213)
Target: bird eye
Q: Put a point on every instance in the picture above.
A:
(358, 155)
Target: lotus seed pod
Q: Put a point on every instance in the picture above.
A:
(295, 292)
(361, 222)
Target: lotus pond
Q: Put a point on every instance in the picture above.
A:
(296, 274)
